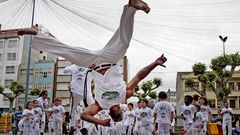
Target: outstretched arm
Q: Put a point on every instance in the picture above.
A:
(143, 73)
(89, 112)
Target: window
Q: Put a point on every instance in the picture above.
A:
(196, 85)
(12, 43)
(1, 57)
(1, 44)
(10, 69)
(238, 85)
(8, 83)
(232, 103)
(44, 74)
(11, 56)
(231, 85)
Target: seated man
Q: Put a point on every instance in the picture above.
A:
(110, 89)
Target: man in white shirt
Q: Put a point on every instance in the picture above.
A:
(227, 119)
(80, 85)
(145, 119)
(58, 117)
(43, 103)
(37, 117)
(130, 119)
(110, 89)
(137, 113)
(187, 112)
(164, 114)
(198, 122)
(206, 112)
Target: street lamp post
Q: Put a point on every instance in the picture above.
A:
(29, 57)
(223, 40)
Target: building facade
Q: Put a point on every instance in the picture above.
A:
(172, 97)
(13, 52)
(62, 82)
(234, 97)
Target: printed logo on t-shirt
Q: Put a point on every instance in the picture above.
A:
(203, 109)
(163, 111)
(109, 95)
(29, 116)
(187, 112)
(130, 115)
(35, 112)
(79, 73)
(143, 114)
(56, 111)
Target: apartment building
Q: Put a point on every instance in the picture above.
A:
(13, 52)
(172, 97)
(234, 97)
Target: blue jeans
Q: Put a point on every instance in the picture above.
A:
(15, 130)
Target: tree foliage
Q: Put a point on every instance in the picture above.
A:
(16, 88)
(223, 68)
(148, 88)
(35, 91)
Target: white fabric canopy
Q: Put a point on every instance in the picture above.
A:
(186, 31)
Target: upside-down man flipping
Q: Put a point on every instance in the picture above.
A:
(110, 89)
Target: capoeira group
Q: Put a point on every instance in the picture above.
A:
(110, 90)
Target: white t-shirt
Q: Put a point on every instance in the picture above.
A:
(58, 112)
(110, 89)
(145, 116)
(42, 102)
(37, 114)
(198, 123)
(29, 115)
(163, 110)
(78, 79)
(130, 117)
(227, 116)
(205, 110)
(188, 113)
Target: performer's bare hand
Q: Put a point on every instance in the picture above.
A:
(106, 122)
(161, 60)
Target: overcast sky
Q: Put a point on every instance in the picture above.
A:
(186, 31)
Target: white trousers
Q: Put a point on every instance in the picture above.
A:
(129, 129)
(114, 50)
(75, 102)
(145, 130)
(189, 128)
(199, 132)
(26, 127)
(37, 128)
(163, 129)
(135, 129)
(227, 124)
(57, 127)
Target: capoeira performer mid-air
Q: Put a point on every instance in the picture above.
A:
(110, 89)
(80, 85)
